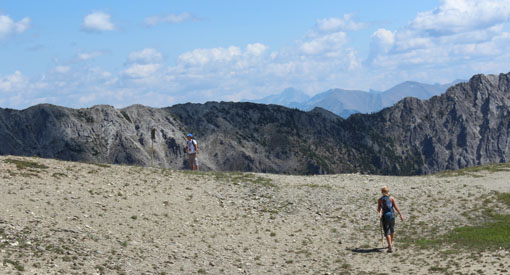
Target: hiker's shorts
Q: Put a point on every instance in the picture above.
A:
(193, 160)
(388, 226)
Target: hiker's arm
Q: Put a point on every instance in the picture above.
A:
(396, 208)
(196, 148)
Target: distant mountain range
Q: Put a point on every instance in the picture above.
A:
(347, 102)
(466, 126)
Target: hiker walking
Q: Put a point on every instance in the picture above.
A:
(385, 207)
(192, 150)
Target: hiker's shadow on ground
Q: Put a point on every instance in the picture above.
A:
(364, 251)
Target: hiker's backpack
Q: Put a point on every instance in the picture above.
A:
(387, 207)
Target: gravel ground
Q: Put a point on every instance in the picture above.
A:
(76, 218)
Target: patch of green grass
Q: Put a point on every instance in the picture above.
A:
(23, 164)
(426, 243)
(273, 211)
(504, 198)
(237, 178)
(495, 233)
(471, 171)
(59, 175)
(346, 266)
(191, 172)
(101, 165)
(314, 185)
(16, 264)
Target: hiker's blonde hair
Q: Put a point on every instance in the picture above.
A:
(385, 190)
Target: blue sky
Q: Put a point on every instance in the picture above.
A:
(159, 53)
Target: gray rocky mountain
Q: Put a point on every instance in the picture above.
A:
(467, 125)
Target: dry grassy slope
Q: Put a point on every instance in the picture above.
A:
(76, 218)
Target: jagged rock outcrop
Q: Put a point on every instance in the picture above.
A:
(468, 125)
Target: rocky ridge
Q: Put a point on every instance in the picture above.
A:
(466, 126)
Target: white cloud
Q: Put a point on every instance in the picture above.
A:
(334, 24)
(141, 70)
(62, 69)
(97, 21)
(444, 39)
(146, 56)
(8, 26)
(325, 43)
(204, 56)
(12, 82)
(256, 49)
(383, 37)
(170, 18)
(454, 16)
(381, 41)
(87, 99)
(89, 55)
(428, 49)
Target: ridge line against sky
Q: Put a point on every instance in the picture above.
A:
(160, 53)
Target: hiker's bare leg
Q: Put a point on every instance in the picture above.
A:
(195, 163)
(388, 239)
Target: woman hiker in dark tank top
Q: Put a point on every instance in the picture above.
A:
(385, 207)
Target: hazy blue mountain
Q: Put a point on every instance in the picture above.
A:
(290, 97)
(413, 89)
(346, 102)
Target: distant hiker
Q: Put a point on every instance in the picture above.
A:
(385, 207)
(192, 150)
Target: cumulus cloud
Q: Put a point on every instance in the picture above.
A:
(381, 41)
(12, 82)
(8, 26)
(143, 66)
(204, 56)
(145, 56)
(383, 38)
(453, 41)
(454, 16)
(170, 18)
(141, 70)
(334, 24)
(89, 55)
(97, 22)
(326, 43)
(256, 49)
(62, 69)
(446, 37)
